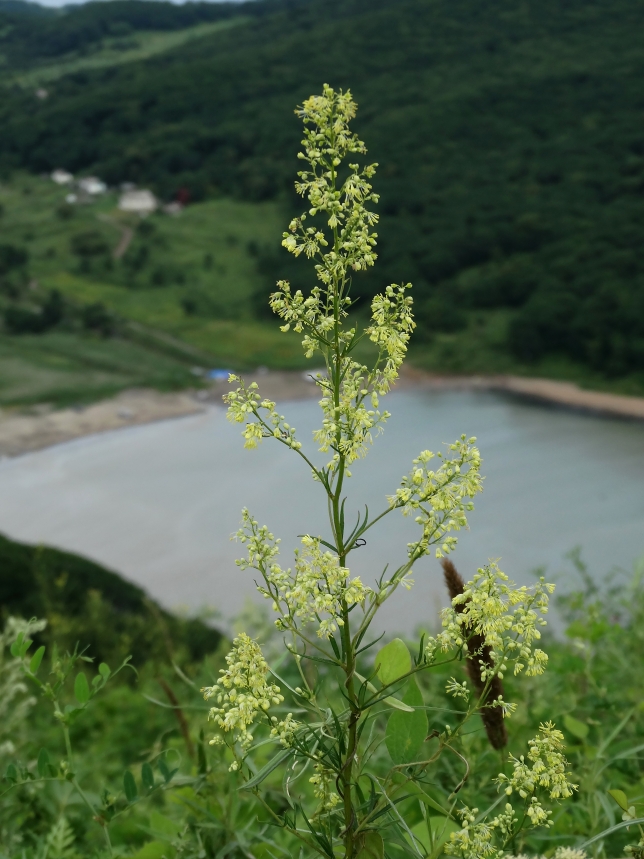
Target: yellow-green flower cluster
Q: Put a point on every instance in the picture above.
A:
(261, 544)
(242, 691)
(548, 771)
(244, 405)
(347, 245)
(439, 499)
(476, 840)
(322, 790)
(392, 325)
(317, 587)
(560, 853)
(327, 141)
(545, 767)
(507, 617)
(285, 730)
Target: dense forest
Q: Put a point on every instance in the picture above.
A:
(29, 32)
(510, 138)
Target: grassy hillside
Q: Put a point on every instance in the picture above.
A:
(183, 294)
(112, 51)
(512, 156)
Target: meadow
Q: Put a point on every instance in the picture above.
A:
(142, 753)
(181, 296)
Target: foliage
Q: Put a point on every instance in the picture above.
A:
(496, 197)
(592, 681)
(169, 304)
(83, 600)
(27, 38)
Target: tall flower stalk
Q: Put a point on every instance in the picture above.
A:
(365, 746)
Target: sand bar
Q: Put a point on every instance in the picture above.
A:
(26, 430)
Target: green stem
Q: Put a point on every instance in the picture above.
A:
(70, 760)
(68, 746)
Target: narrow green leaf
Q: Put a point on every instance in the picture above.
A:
(370, 846)
(606, 832)
(441, 829)
(575, 727)
(36, 659)
(393, 661)
(202, 762)
(406, 732)
(12, 773)
(81, 688)
(267, 769)
(620, 798)
(423, 795)
(24, 647)
(43, 762)
(17, 644)
(147, 776)
(129, 786)
(165, 771)
(390, 701)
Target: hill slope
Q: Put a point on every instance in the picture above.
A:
(81, 600)
(510, 139)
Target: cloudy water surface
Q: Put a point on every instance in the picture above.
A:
(158, 503)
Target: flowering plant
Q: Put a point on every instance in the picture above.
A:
(358, 774)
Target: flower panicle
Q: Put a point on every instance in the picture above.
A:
(508, 619)
(440, 499)
(259, 415)
(315, 591)
(546, 774)
(243, 691)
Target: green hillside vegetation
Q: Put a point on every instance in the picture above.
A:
(114, 50)
(510, 139)
(78, 324)
(592, 684)
(31, 34)
(82, 600)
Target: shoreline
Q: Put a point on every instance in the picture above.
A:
(39, 427)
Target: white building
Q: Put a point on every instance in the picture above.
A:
(139, 201)
(62, 177)
(91, 185)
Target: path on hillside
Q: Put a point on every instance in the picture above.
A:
(127, 234)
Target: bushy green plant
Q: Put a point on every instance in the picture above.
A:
(363, 739)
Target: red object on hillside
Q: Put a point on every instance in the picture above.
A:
(183, 196)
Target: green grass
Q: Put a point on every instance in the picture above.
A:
(115, 52)
(204, 254)
(64, 368)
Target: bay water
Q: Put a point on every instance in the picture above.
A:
(158, 503)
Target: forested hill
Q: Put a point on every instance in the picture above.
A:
(31, 33)
(510, 137)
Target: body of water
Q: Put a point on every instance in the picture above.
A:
(158, 503)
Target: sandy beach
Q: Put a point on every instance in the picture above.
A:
(24, 430)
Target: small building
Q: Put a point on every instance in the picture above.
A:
(62, 177)
(138, 201)
(92, 185)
